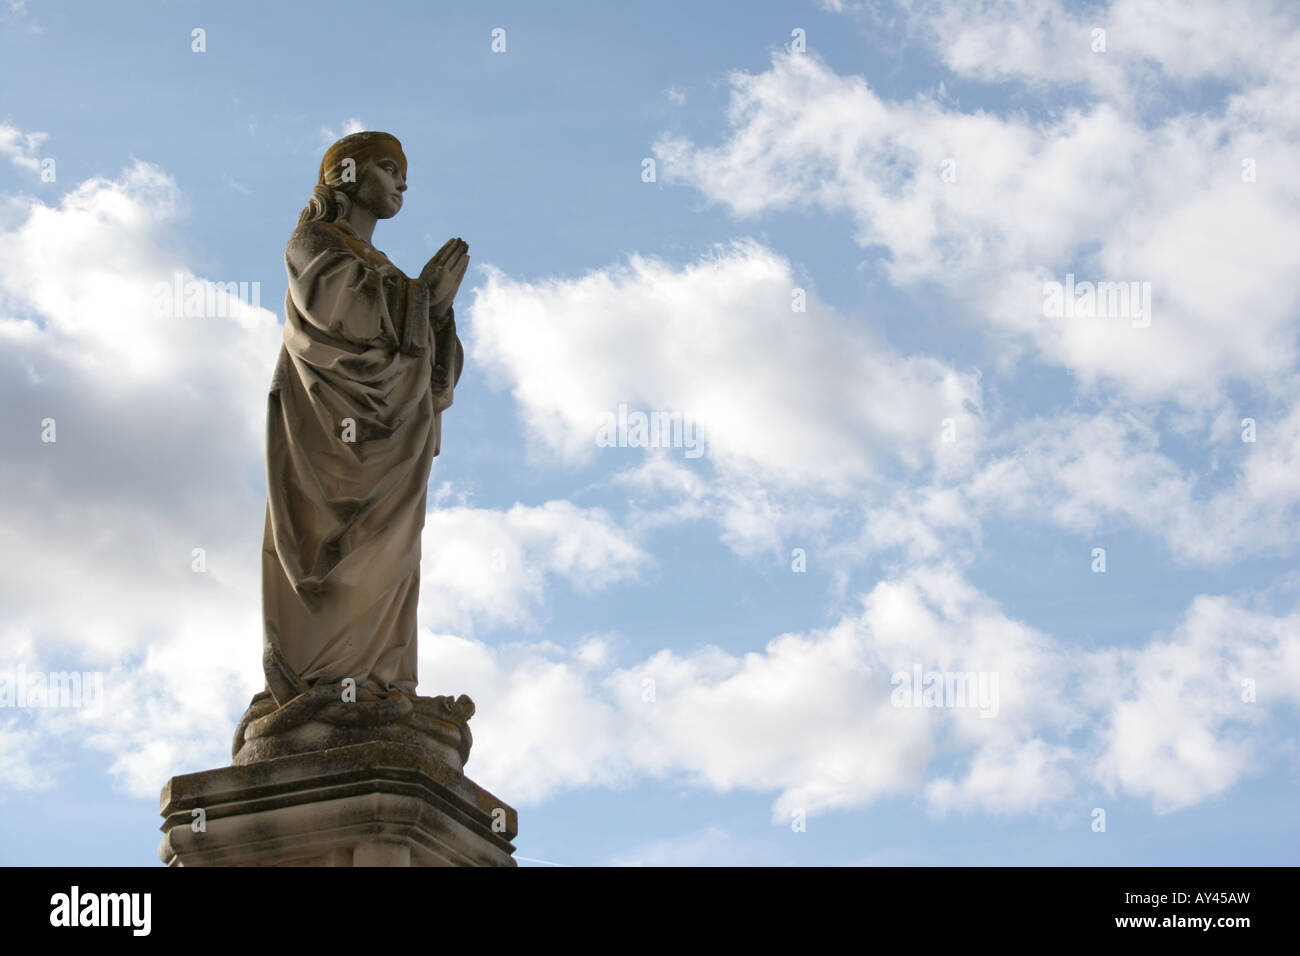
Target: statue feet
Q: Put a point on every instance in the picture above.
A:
(327, 716)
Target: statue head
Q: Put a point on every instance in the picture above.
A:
(366, 168)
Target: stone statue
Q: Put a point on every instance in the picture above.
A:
(338, 762)
(354, 421)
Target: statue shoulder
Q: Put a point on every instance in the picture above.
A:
(310, 239)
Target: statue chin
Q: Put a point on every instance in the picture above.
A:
(435, 729)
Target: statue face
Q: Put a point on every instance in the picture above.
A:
(381, 188)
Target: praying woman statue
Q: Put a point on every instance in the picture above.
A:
(354, 420)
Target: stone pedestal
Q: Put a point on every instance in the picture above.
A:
(378, 803)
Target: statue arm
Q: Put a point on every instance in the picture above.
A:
(438, 320)
(448, 362)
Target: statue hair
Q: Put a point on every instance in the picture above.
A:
(332, 197)
(327, 204)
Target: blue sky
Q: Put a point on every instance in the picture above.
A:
(944, 454)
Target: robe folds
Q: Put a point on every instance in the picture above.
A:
(353, 424)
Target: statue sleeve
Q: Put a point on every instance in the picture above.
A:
(448, 361)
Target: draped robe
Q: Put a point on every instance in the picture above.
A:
(341, 552)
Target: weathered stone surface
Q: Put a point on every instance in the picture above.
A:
(369, 804)
(321, 719)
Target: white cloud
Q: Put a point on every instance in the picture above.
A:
(21, 148)
(810, 718)
(1096, 191)
(995, 780)
(1148, 43)
(1177, 728)
(794, 399)
(754, 520)
(1079, 472)
(157, 419)
(24, 760)
(540, 728)
(489, 567)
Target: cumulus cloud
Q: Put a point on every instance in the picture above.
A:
(490, 567)
(797, 399)
(990, 208)
(1079, 471)
(814, 716)
(1143, 44)
(130, 436)
(993, 208)
(1184, 717)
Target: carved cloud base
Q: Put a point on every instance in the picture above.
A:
(322, 719)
